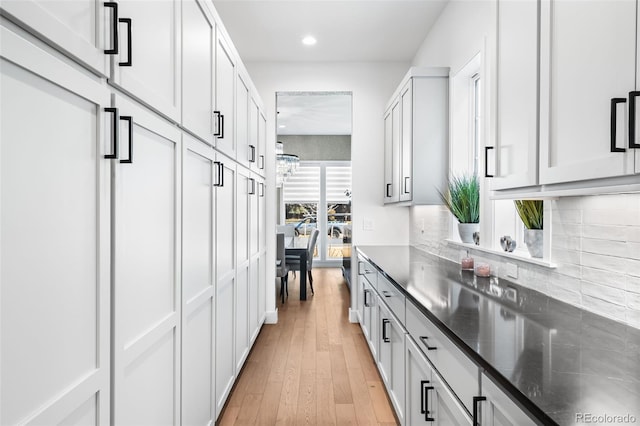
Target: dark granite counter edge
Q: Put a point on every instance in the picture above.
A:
(498, 379)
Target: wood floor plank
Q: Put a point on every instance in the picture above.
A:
(345, 415)
(313, 367)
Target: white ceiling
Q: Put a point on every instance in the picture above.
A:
(351, 31)
(347, 31)
(314, 113)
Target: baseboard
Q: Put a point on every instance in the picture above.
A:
(353, 316)
(271, 317)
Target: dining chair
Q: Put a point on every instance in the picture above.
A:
(282, 269)
(294, 261)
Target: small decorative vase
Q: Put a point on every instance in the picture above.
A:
(533, 240)
(466, 231)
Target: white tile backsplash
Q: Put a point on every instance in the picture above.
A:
(595, 245)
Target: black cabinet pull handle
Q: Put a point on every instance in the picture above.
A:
(385, 338)
(476, 400)
(614, 122)
(219, 174)
(360, 264)
(424, 400)
(129, 119)
(115, 133)
(252, 186)
(114, 28)
(424, 339)
(216, 132)
(632, 119)
(486, 161)
(406, 180)
(220, 134)
(261, 190)
(366, 301)
(129, 60)
(389, 190)
(385, 293)
(252, 153)
(261, 162)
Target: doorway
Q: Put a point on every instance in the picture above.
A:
(316, 128)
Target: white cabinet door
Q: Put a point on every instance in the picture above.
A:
(148, 63)
(54, 240)
(392, 154)
(75, 27)
(241, 323)
(498, 409)
(254, 281)
(429, 400)
(262, 142)
(262, 289)
(243, 218)
(225, 280)
(225, 90)
(370, 317)
(517, 87)
(254, 215)
(242, 121)
(391, 358)
(198, 38)
(576, 91)
(146, 288)
(406, 145)
(198, 290)
(254, 137)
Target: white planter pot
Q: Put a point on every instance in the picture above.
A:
(533, 238)
(466, 231)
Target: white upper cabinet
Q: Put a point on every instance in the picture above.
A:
(77, 27)
(242, 121)
(517, 92)
(262, 141)
(587, 71)
(392, 154)
(225, 77)
(254, 137)
(148, 63)
(198, 38)
(416, 138)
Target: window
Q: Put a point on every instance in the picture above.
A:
(315, 184)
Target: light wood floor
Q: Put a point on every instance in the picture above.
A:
(313, 367)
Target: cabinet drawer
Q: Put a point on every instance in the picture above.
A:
(454, 366)
(392, 297)
(366, 269)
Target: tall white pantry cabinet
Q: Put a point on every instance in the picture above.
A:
(132, 231)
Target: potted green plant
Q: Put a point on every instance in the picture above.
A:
(462, 198)
(531, 213)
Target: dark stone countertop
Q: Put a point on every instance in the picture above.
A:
(555, 360)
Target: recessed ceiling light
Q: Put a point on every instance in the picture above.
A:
(309, 40)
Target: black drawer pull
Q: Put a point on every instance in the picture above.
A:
(389, 190)
(129, 119)
(114, 28)
(476, 400)
(385, 293)
(219, 174)
(115, 133)
(385, 338)
(424, 400)
(424, 339)
(632, 119)
(614, 123)
(129, 60)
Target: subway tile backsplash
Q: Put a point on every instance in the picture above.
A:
(595, 245)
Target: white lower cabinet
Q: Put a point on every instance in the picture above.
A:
(198, 290)
(146, 289)
(498, 409)
(429, 400)
(54, 240)
(225, 280)
(369, 316)
(391, 357)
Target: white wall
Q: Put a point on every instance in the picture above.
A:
(595, 239)
(371, 84)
